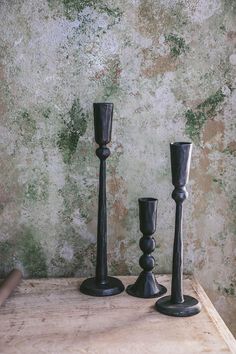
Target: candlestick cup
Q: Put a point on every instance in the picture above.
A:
(146, 285)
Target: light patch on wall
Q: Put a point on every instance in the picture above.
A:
(201, 10)
(232, 59)
(67, 252)
(81, 226)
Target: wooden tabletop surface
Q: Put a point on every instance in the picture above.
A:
(52, 316)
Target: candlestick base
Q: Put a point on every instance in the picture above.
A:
(113, 287)
(189, 307)
(146, 286)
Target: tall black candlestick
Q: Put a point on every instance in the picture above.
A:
(178, 304)
(102, 284)
(146, 285)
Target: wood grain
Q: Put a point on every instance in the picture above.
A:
(52, 316)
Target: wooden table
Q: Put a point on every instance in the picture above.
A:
(52, 316)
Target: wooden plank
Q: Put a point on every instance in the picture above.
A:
(52, 316)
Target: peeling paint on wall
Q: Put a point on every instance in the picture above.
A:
(207, 109)
(73, 130)
(177, 44)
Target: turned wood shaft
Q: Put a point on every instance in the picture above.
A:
(9, 284)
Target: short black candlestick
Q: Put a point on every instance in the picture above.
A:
(102, 284)
(178, 304)
(146, 286)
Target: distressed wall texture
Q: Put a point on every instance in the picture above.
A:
(169, 68)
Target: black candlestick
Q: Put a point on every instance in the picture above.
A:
(146, 286)
(178, 304)
(101, 284)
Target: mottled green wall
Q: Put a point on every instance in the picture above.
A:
(169, 67)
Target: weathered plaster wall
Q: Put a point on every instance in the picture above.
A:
(169, 67)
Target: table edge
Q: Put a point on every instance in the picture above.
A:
(214, 315)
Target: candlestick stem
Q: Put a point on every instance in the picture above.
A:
(177, 267)
(101, 266)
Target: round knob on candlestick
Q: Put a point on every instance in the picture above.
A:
(147, 245)
(103, 152)
(179, 194)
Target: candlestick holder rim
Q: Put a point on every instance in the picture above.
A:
(103, 103)
(148, 199)
(180, 143)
